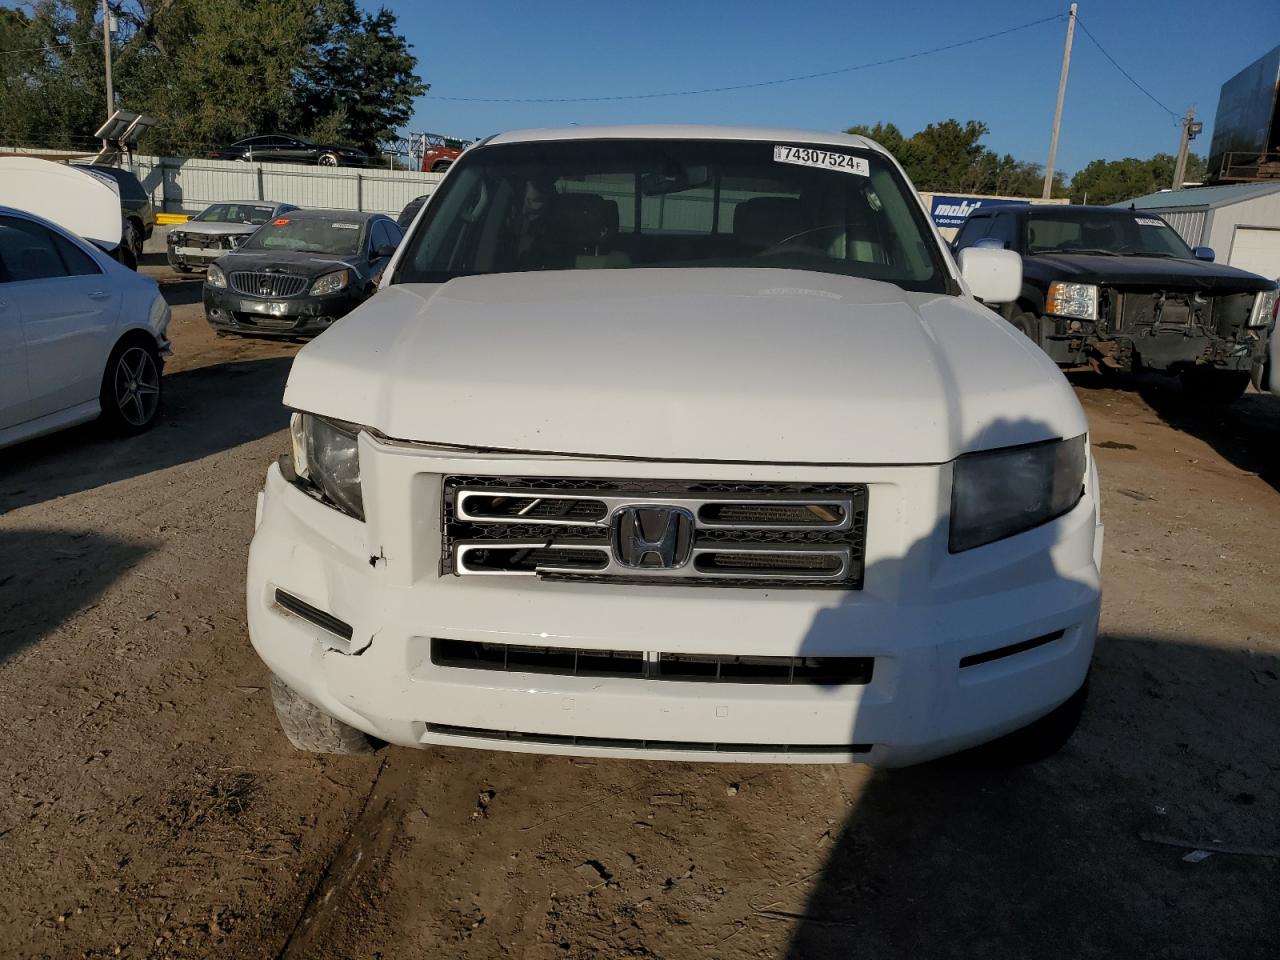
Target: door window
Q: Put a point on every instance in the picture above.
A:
(28, 251)
(77, 262)
(1004, 229)
(384, 234)
(973, 230)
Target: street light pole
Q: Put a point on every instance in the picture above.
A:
(106, 57)
(1190, 128)
(1057, 113)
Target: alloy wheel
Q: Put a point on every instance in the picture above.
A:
(137, 386)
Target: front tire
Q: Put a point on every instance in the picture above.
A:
(132, 387)
(327, 160)
(1215, 387)
(440, 166)
(310, 728)
(1041, 738)
(1029, 325)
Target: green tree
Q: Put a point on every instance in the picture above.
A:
(1110, 181)
(948, 157)
(357, 82)
(53, 93)
(208, 71)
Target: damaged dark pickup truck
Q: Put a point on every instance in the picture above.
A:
(1120, 290)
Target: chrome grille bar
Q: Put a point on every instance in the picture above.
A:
(255, 284)
(839, 512)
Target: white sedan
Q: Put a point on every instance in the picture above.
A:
(80, 335)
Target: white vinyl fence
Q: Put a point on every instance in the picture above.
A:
(188, 186)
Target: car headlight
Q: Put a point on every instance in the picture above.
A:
(326, 454)
(175, 238)
(998, 493)
(331, 283)
(214, 276)
(1265, 305)
(1079, 301)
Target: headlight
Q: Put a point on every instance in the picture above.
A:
(214, 276)
(1076, 300)
(175, 238)
(326, 454)
(331, 283)
(1002, 492)
(1264, 308)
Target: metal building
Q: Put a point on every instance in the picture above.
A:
(1240, 221)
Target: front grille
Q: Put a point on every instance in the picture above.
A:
(637, 665)
(711, 533)
(265, 321)
(204, 242)
(267, 284)
(627, 743)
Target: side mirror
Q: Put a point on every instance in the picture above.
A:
(384, 250)
(991, 243)
(1203, 253)
(993, 276)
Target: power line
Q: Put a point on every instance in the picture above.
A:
(1128, 76)
(758, 83)
(51, 46)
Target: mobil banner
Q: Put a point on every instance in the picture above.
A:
(951, 211)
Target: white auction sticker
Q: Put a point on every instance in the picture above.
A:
(1149, 222)
(345, 226)
(823, 159)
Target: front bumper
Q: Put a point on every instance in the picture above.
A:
(920, 612)
(292, 317)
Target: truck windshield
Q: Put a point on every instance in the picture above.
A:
(1122, 233)
(336, 237)
(616, 204)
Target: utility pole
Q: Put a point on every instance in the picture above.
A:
(1057, 113)
(106, 56)
(1190, 128)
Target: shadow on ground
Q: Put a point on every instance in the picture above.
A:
(1065, 858)
(206, 410)
(1246, 433)
(31, 602)
(183, 292)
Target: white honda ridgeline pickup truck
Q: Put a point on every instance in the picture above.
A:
(680, 443)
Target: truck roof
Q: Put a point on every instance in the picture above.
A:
(677, 131)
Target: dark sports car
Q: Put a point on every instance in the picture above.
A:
(299, 273)
(283, 148)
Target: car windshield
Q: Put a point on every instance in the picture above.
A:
(614, 204)
(334, 236)
(234, 213)
(1122, 233)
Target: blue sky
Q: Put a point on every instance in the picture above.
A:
(1180, 50)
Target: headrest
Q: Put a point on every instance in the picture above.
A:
(764, 221)
(583, 219)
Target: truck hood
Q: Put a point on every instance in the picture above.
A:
(285, 261)
(1162, 272)
(687, 364)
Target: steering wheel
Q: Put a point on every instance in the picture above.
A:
(785, 245)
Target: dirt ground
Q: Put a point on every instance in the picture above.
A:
(152, 809)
